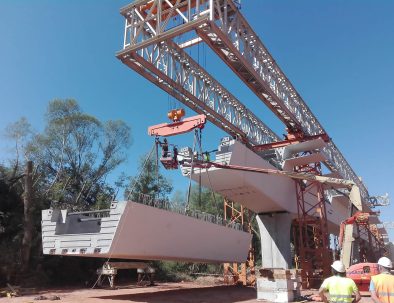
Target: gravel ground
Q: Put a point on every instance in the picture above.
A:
(187, 292)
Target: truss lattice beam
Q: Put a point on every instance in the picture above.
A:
(220, 24)
(167, 66)
(239, 46)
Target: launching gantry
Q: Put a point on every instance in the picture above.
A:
(149, 48)
(156, 34)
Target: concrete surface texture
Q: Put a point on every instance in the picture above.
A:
(261, 193)
(142, 232)
(275, 239)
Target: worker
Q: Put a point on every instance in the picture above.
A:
(164, 148)
(340, 288)
(206, 157)
(175, 154)
(382, 285)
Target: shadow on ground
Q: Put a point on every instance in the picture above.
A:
(204, 295)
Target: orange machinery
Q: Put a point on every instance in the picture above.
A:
(361, 274)
(357, 218)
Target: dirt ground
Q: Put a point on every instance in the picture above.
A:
(187, 292)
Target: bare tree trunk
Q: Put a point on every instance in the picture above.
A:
(28, 220)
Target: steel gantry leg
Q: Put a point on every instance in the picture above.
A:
(312, 238)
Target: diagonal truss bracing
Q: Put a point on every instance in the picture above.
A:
(167, 66)
(151, 24)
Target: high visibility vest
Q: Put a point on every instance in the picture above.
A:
(340, 289)
(384, 287)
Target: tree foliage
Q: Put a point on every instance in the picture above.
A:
(75, 153)
(72, 156)
(150, 181)
(205, 200)
(20, 132)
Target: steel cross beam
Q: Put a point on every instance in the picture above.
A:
(220, 24)
(232, 38)
(167, 66)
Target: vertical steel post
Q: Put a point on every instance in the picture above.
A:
(211, 10)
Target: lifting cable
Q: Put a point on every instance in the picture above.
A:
(198, 141)
(191, 170)
(157, 166)
(209, 179)
(121, 224)
(141, 170)
(199, 175)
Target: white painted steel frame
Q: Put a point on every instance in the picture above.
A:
(170, 68)
(220, 24)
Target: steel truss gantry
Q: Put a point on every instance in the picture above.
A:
(174, 71)
(149, 49)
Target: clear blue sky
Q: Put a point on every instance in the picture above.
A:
(338, 54)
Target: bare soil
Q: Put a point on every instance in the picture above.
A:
(202, 291)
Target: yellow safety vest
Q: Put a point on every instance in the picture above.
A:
(341, 289)
(384, 287)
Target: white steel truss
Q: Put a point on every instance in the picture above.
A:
(150, 26)
(167, 66)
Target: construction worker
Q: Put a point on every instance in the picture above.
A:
(340, 288)
(206, 157)
(175, 153)
(164, 148)
(382, 285)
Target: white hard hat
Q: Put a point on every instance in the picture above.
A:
(385, 262)
(338, 266)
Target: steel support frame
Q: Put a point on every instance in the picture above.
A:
(245, 272)
(311, 239)
(170, 68)
(364, 238)
(220, 24)
(377, 243)
(232, 38)
(287, 142)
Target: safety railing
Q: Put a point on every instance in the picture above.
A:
(203, 216)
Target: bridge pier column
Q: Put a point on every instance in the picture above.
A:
(275, 239)
(276, 282)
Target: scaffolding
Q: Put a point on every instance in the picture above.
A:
(244, 273)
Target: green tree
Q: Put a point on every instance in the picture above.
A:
(11, 221)
(75, 153)
(72, 158)
(20, 132)
(178, 200)
(150, 181)
(203, 199)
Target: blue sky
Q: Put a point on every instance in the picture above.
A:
(338, 54)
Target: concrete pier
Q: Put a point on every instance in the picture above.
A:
(276, 282)
(275, 239)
